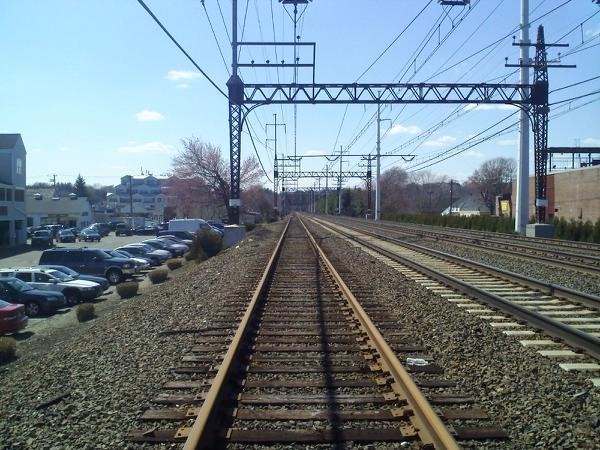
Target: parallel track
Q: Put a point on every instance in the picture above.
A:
(569, 315)
(582, 258)
(308, 366)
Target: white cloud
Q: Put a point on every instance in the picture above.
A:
(314, 153)
(182, 86)
(473, 154)
(592, 31)
(591, 141)
(177, 75)
(440, 142)
(507, 142)
(148, 116)
(157, 148)
(401, 129)
(489, 107)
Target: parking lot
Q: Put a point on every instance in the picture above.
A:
(64, 318)
(32, 257)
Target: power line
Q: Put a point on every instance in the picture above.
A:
(215, 36)
(575, 98)
(574, 84)
(141, 2)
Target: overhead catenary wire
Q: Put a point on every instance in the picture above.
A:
(159, 23)
(215, 36)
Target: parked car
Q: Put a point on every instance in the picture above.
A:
(65, 236)
(90, 261)
(146, 230)
(75, 291)
(113, 224)
(103, 282)
(139, 263)
(144, 260)
(35, 301)
(156, 256)
(89, 234)
(122, 229)
(42, 238)
(175, 249)
(102, 228)
(174, 241)
(183, 235)
(54, 229)
(12, 317)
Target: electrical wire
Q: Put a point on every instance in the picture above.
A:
(215, 36)
(574, 84)
(141, 2)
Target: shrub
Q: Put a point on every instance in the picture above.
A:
(8, 349)
(127, 289)
(250, 226)
(206, 244)
(158, 275)
(85, 312)
(174, 263)
(188, 256)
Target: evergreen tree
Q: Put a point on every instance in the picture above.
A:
(80, 187)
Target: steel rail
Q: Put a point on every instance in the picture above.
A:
(199, 434)
(576, 338)
(594, 269)
(589, 300)
(431, 428)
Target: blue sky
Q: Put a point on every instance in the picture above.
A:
(96, 88)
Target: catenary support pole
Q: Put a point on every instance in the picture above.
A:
(340, 185)
(522, 198)
(378, 164)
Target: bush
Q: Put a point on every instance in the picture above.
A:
(205, 245)
(174, 263)
(8, 349)
(85, 312)
(128, 289)
(188, 256)
(158, 275)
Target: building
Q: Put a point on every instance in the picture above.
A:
(572, 194)
(141, 196)
(469, 205)
(12, 191)
(43, 208)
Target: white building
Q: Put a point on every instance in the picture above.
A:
(12, 190)
(141, 196)
(45, 209)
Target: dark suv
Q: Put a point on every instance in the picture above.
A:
(122, 229)
(90, 261)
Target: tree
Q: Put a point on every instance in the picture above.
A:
(494, 177)
(393, 183)
(204, 162)
(80, 187)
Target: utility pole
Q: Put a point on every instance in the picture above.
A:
(130, 196)
(340, 184)
(326, 189)
(53, 179)
(522, 200)
(275, 162)
(378, 164)
(451, 192)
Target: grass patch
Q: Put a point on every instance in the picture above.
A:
(127, 289)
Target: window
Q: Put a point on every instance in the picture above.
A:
(84, 214)
(23, 276)
(9, 195)
(19, 195)
(3, 211)
(19, 166)
(2, 194)
(41, 278)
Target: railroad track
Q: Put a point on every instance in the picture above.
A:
(308, 366)
(572, 317)
(582, 258)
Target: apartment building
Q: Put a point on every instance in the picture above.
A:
(141, 196)
(12, 191)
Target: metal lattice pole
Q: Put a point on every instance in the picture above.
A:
(540, 127)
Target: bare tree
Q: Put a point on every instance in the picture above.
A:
(203, 163)
(393, 183)
(494, 177)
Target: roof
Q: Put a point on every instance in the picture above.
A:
(63, 205)
(467, 203)
(8, 141)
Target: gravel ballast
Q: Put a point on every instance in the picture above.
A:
(528, 395)
(110, 368)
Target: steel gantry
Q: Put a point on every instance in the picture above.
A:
(245, 97)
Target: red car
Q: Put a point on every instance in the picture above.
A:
(12, 317)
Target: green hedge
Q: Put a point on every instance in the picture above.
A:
(573, 230)
(481, 223)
